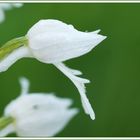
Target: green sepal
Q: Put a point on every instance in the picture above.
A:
(11, 45)
(5, 121)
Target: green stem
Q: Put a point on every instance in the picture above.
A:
(5, 121)
(12, 45)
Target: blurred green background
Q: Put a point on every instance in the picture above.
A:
(113, 66)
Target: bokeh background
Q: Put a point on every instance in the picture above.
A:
(113, 66)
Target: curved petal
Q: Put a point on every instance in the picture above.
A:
(57, 47)
(49, 25)
(7, 130)
(13, 57)
(80, 85)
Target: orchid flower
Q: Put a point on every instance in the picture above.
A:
(36, 114)
(52, 41)
(7, 6)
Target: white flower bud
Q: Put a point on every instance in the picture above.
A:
(38, 114)
(52, 41)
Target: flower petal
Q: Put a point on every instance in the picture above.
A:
(80, 84)
(40, 114)
(2, 17)
(24, 82)
(60, 47)
(96, 32)
(8, 6)
(49, 25)
(45, 124)
(5, 6)
(53, 41)
(17, 5)
(7, 130)
(13, 57)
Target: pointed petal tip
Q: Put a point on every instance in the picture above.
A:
(76, 72)
(88, 81)
(104, 37)
(75, 111)
(67, 102)
(101, 37)
(99, 30)
(91, 114)
(24, 83)
(92, 117)
(96, 32)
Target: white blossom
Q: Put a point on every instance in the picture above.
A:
(7, 6)
(52, 41)
(37, 114)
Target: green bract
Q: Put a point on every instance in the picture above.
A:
(12, 45)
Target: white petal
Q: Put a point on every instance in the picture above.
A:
(40, 114)
(96, 32)
(17, 5)
(5, 6)
(2, 16)
(75, 72)
(7, 130)
(53, 41)
(80, 84)
(24, 82)
(49, 25)
(60, 47)
(13, 57)
(47, 123)
(8, 6)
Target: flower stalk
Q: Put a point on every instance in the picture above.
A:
(11, 45)
(5, 121)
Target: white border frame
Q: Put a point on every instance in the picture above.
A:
(69, 1)
(70, 138)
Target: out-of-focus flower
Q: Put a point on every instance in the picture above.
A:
(7, 6)
(36, 114)
(52, 41)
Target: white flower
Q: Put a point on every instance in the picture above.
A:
(52, 41)
(7, 6)
(37, 114)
